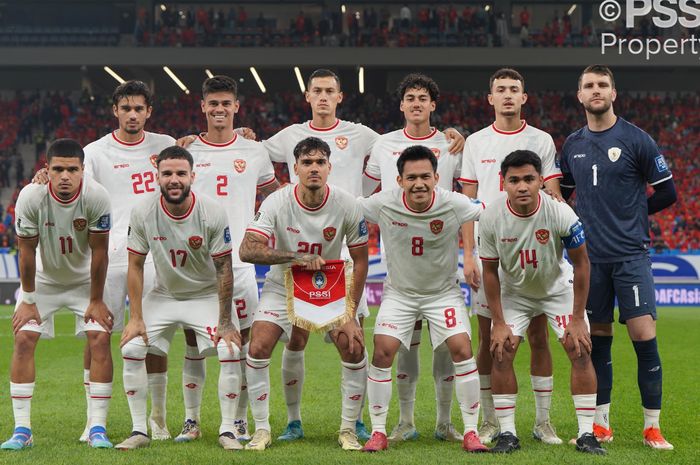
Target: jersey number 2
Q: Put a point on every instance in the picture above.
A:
(143, 182)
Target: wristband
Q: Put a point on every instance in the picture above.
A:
(29, 297)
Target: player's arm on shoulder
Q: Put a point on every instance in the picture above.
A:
(225, 329)
(97, 310)
(456, 140)
(26, 310)
(372, 174)
(567, 185)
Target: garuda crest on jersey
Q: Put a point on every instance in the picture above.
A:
(542, 236)
(436, 226)
(329, 233)
(341, 142)
(614, 153)
(153, 159)
(80, 224)
(239, 165)
(195, 242)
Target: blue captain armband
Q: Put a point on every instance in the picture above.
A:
(576, 237)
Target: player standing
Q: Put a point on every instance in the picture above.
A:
(190, 241)
(521, 242)
(426, 220)
(418, 95)
(230, 169)
(484, 152)
(610, 162)
(310, 221)
(69, 220)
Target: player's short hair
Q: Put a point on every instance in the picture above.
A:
(602, 70)
(507, 73)
(130, 89)
(415, 153)
(175, 153)
(418, 81)
(321, 73)
(311, 144)
(220, 83)
(520, 158)
(65, 148)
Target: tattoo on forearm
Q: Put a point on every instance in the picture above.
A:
(224, 281)
(254, 249)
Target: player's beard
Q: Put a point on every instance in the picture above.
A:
(599, 110)
(132, 131)
(176, 200)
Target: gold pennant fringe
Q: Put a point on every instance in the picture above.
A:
(333, 324)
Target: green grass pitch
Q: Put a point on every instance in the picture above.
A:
(58, 410)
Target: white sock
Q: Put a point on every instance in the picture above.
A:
(100, 395)
(602, 415)
(242, 409)
(488, 413)
(542, 388)
(444, 376)
(407, 371)
(353, 385)
(585, 411)
(467, 389)
(194, 372)
(158, 387)
(293, 381)
(651, 417)
(505, 412)
(136, 384)
(379, 396)
(86, 385)
(360, 415)
(21, 394)
(229, 386)
(258, 373)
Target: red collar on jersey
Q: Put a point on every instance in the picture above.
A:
(114, 136)
(539, 202)
(325, 199)
(65, 202)
(177, 218)
(510, 133)
(432, 133)
(235, 136)
(405, 204)
(335, 125)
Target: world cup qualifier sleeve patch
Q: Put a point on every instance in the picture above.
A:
(227, 235)
(105, 222)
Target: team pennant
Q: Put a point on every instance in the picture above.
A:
(320, 301)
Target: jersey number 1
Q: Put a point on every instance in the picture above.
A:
(528, 257)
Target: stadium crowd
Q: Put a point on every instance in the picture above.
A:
(34, 118)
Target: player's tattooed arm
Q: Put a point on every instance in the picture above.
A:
(97, 309)
(225, 330)
(26, 310)
(269, 188)
(254, 249)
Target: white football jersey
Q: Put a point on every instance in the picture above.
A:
(529, 248)
(231, 174)
(62, 226)
(350, 143)
(485, 150)
(182, 246)
(298, 228)
(381, 165)
(128, 172)
(421, 247)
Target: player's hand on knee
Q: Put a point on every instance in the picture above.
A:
(229, 334)
(501, 339)
(355, 335)
(134, 328)
(309, 262)
(456, 141)
(247, 133)
(577, 333)
(554, 195)
(185, 141)
(472, 276)
(98, 312)
(41, 177)
(24, 314)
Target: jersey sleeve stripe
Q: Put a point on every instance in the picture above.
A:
(570, 186)
(266, 183)
(489, 259)
(136, 252)
(257, 231)
(468, 181)
(661, 180)
(27, 237)
(553, 176)
(372, 177)
(98, 231)
(221, 254)
(355, 246)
